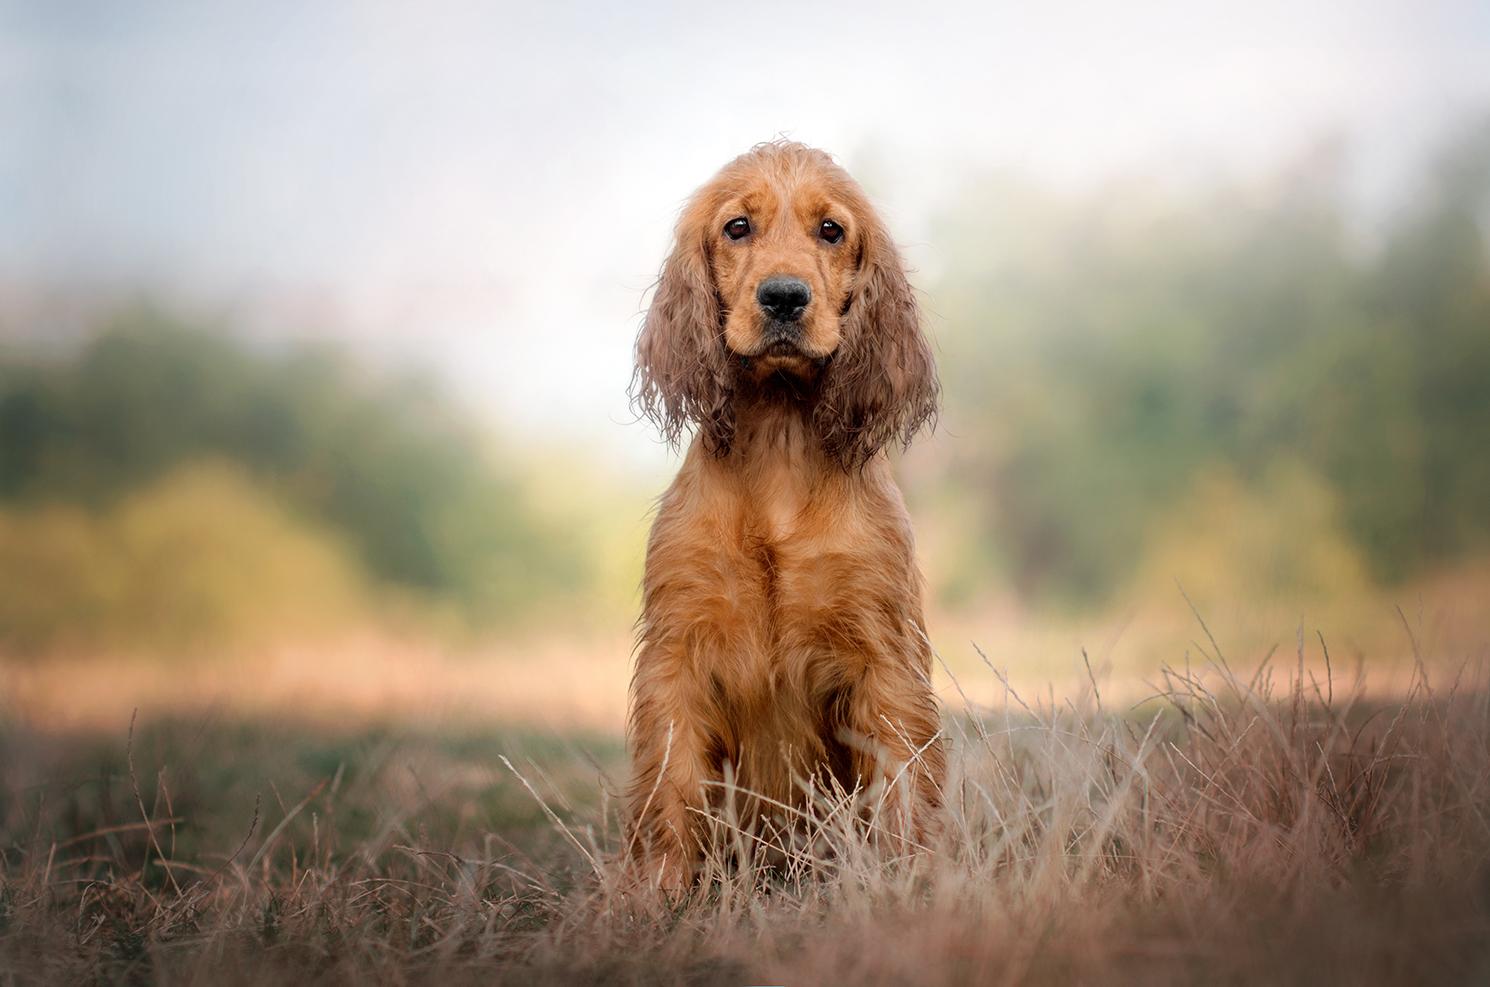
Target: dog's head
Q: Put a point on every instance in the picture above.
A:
(781, 269)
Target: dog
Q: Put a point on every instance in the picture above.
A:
(781, 639)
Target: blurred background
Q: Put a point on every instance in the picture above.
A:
(316, 327)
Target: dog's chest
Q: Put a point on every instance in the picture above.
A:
(784, 574)
(820, 565)
(790, 524)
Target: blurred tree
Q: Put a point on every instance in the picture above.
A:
(1432, 284)
(412, 486)
(1111, 352)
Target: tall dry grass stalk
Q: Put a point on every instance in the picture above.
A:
(1269, 827)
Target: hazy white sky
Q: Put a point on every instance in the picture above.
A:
(488, 188)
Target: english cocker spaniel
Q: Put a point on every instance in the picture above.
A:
(781, 645)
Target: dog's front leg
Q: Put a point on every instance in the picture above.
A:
(670, 767)
(893, 728)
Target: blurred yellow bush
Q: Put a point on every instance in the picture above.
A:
(1279, 538)
(202, 557)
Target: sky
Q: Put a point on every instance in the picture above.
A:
(487, 189)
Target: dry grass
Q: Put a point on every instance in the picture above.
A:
(1271, 827)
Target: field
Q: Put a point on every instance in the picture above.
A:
(1279, 823)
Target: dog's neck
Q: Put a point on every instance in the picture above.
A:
(767, 432)
(776, 461)
(776, 467)
(774, 419)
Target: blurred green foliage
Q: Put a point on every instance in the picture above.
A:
(1109, 363)
(393, 473)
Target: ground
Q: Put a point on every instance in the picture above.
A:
(1272, 826)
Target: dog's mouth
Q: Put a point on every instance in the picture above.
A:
(783, 360)
(782, 351)
(784, 348)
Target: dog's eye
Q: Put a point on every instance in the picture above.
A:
(737, 227)
(830, 231)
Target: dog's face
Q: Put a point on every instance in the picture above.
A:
(785, 254)
(780, 266)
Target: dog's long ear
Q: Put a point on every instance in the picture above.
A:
(682, 376)
(881, 386)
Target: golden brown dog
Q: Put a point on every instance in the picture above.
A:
(781, 634)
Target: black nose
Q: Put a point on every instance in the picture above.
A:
(783, 298)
